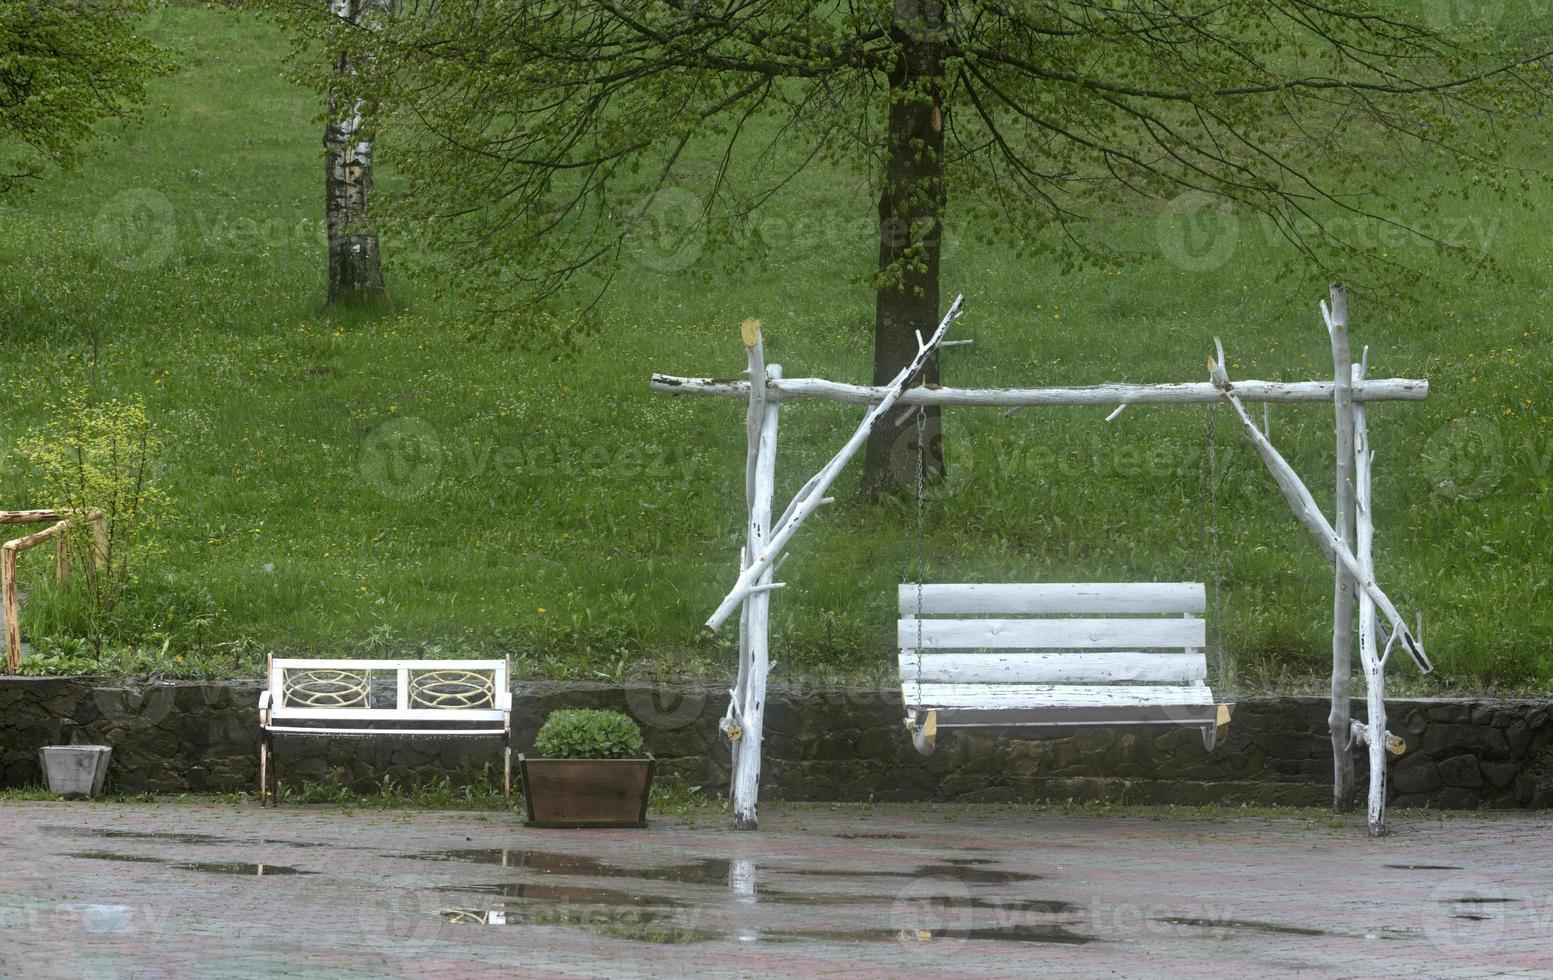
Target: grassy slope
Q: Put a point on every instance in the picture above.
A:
(587, 525)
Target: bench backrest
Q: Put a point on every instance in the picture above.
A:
(1054, 633)
(390, 690)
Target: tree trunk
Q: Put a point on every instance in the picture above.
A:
(354, 272)
(910, 231)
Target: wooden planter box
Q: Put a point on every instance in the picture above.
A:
(586, 792)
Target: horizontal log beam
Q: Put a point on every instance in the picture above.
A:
(1380, 389)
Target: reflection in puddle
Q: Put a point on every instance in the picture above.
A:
(152, 835)
(1476, 900)
(580, 894)
(1031, 933)
(640, 925)
(1424, 867)
(713, 871)
(1243, 924)
(246, 868)
(709, 871)
(942, 869)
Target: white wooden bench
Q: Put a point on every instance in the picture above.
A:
(352, 698)
(1052, 654)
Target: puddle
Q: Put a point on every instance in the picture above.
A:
(1471, 917)
(575, 894)
(1245, 925)
(1475, 900)
(710, 871)
(943, 869)
(1424, 867)
(778, 896)
(650, 926)
(194, 839)
(151, 835)
(247, 868)
(877, 836)
(112, 856)
(713, 871)
(639, 925)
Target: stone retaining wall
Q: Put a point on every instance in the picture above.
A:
(823, 744)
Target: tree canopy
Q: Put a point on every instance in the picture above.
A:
(65, 66)
(540, 134)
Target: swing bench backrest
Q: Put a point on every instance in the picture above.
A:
(1056, 654)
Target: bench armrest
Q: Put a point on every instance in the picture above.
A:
(504, 700)
(265, 699)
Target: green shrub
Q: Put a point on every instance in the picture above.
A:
(581, 733)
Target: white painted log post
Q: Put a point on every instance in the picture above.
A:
(1338, 718)
(809, 499)
(745, 789)
(754, 419)
(1377, 740)
(1304, 507)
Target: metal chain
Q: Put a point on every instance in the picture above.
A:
(917, 535)
(1218, 551)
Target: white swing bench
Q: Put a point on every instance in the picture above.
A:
(1055, 654)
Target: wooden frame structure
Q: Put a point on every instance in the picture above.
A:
(1347, 541)
(10, 605)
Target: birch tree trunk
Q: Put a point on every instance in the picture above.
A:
(1343, 522)
(910, 232)
(354, 269)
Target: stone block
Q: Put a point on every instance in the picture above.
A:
(1461, 771)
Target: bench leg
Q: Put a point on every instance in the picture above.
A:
(269, 779)
(264, 768)
(506, 769)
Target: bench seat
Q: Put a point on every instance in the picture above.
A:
(1055, 654)
(358, 697)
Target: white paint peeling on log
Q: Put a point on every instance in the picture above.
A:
(757, 608)
(1304, 507)
(810, 498)
(1191, 393)
(1369, 656)
(1339, 716)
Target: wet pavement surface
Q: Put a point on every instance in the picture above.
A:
(193, 890)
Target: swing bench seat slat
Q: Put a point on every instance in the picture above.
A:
(1000, 655)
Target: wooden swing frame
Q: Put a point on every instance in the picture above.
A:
(1347, 541)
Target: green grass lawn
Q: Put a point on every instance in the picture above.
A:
(567, 516)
